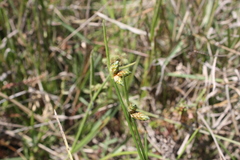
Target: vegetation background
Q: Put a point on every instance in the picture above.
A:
(185, 77)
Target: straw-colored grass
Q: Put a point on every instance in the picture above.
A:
(184, 63)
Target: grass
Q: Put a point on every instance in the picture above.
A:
(184, 63)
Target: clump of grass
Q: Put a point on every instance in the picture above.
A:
(118, 77)
(186, 57)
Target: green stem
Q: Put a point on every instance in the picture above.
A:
(126, 114)
(124, 108)
(106, 45)
(139, 138)
(125, 91)
(133, 122)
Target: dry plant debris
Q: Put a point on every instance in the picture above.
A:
(185, 79)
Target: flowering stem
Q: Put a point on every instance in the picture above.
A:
(137, 139)
(129, 121)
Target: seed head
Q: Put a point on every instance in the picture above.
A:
(114, 67)
(124, 73)
(118, 80)
(139, 116)
(132, 109)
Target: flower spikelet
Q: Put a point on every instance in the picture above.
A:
(117, 74)
(118, 80)
(132, 110)
(139, 116)
(123, 73)
(114, 68)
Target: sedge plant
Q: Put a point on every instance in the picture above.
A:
(118, 75)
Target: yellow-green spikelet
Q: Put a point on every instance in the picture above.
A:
(139, 116)
(118, 80)
(123, 73)
(114, 67)
(132, 109)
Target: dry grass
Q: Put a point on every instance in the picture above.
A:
(186, 77)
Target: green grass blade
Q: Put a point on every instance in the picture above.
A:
(188, 142)
(95, 129)
(80, 129)
(131, 153)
